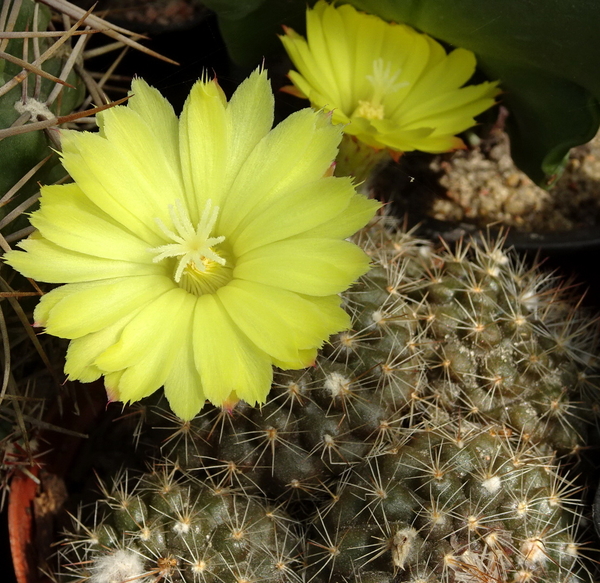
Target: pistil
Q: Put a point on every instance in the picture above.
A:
(193, 246)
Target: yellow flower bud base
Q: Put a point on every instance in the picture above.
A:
(358, 160)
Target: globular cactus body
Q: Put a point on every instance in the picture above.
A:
(181, 528)
(452, 502)
(429, 443)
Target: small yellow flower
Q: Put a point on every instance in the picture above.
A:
(394, 87)
(196, 252)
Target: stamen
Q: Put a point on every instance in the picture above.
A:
(369, 110)
(383, 79)
(384, 83)
(193, 246)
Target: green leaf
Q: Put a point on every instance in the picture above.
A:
(549, 116)
(233, 9)
(254, 36)
(545, 53)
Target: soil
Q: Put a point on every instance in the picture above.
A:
(481, 186)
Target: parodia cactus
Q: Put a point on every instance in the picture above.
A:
(428, 444)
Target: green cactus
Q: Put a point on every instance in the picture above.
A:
(449, 502)
(170, 524)
(33, 98)
(429, 443)
(36, 98)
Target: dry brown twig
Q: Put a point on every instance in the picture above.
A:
(112, 30)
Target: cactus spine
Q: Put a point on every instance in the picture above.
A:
(427, 444)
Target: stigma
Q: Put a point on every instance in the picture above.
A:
(384, 81)
(192, 247)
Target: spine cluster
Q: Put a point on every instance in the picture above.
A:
(430, 443)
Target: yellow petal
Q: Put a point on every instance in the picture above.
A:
(411, 53)
(205, 142)
(365, 130)
(226, 359)
(49, 300)
(323, 50)
(144, 164)
(82, 352)
(402, 139)
(298, 151)
(295, 212)
(149, 345)
(89, 307)
(97, 167)
(435, 144)
(329, 305)
(432, 144)
(448, 75)
(311, 65)
(464, 102)
(159, 116)
(368, 31)
(340, 29)
(250, 117)
(153, 327)
(264, 328)
(221, 135)
(282, 323)
(358, 213)
(317, 99)
(69, 219)
(45, 261)
(318, 267)
(183, 386)
(307, 357)
(111, 383)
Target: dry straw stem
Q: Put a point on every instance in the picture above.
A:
(32, 68)
(20, 77)
(44, 34)
(67, 68)
(12, 296)
(15, 189)
(41, 125)
(108, 74)
(8, 21)
(96, 93)
(104, 26)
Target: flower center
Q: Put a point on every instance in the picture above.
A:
(383, 81)
(369, 110)
(198, 267)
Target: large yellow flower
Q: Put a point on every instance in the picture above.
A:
(197, 253)
(392, 86)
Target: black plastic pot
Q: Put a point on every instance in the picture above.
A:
(573, 253)
(576, 241)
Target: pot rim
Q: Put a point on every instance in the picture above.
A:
(568, 241)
